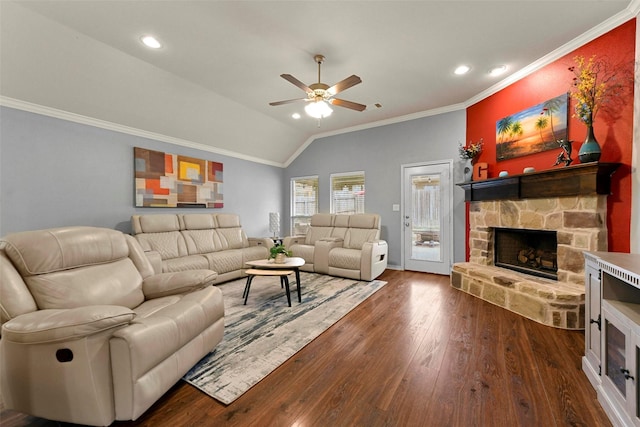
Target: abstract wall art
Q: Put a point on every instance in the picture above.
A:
(175, 181)
(538, 128)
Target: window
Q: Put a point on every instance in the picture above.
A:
(347, 193)
(304, 203)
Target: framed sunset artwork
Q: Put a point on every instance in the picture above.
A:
(536, 129)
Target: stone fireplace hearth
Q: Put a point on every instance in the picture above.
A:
(580, 223)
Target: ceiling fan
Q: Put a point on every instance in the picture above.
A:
(320, 94)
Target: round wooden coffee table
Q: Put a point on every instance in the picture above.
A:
(292, 263)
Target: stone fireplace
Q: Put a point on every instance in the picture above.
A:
(576, 221)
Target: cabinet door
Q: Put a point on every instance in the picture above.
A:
(619, 364)
(635, 405)
(592, 312)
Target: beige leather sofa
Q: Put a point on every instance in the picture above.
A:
(342, 245)
(90, 334)
(176, 242)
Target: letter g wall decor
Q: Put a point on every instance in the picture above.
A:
(175, 181)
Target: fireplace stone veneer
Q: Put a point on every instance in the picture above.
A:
(580, 222)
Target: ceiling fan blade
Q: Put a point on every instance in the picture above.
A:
(347, 104)
(344, 84)
(291, 79)
(288, 101)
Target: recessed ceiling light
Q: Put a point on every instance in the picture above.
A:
(462, 69)
(498, 70)
(151, 42)
(295, 116)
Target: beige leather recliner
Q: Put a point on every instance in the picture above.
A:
(90, 334)
(342, 245)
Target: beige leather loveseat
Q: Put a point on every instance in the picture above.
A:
(90, 334)
(176, 242)
(342, 245)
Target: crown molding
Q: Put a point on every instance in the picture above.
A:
(620, 18)
(90, 121)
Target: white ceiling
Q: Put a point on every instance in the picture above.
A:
(210, 85)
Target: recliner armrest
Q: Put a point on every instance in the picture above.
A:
(261, 241)
(57, 325)
(178, 282)
(321, 251)
(293, 240)
(155, 259)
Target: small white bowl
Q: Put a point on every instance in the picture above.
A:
(528, 170)
(503, 174)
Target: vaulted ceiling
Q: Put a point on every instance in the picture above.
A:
(210, 84)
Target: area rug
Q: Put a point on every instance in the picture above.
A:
(263, 334)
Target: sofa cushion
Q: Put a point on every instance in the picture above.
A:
(253, 253)
(188, 262)
(232, 238)
(348, 259)
(46, 251)
(116, 283)
(168, 245)
(355, 238)
(303, 251)
(364, 221)
(202, 241)
(198, 221)
(228, 221)
(155, 223)
(225, 261)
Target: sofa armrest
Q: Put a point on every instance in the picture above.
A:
(179, 282)
(293, 240)
(155, 259)
(374, 259)
(261, 241)
(321, 251)
(58, 325)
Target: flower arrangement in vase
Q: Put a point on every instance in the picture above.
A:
(595, 83)
(468, 154)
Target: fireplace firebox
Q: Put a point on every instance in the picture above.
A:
(533, 252)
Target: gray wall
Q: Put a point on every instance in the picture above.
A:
(55, 173)
(380, 152)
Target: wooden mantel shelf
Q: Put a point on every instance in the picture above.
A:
(581, 179)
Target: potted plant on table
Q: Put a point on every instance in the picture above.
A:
(279, 253)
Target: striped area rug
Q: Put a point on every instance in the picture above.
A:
(262, 335)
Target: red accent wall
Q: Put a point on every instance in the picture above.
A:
(614, 132)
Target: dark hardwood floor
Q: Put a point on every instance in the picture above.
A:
(416, 353)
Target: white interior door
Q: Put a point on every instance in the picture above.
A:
(427, 222)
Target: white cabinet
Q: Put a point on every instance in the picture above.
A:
(612, 333)
(591, 360)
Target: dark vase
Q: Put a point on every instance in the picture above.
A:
(590, 149)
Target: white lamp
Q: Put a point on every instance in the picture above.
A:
(318, 109)
(274, 223)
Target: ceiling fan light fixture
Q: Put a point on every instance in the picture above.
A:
(318, 109)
